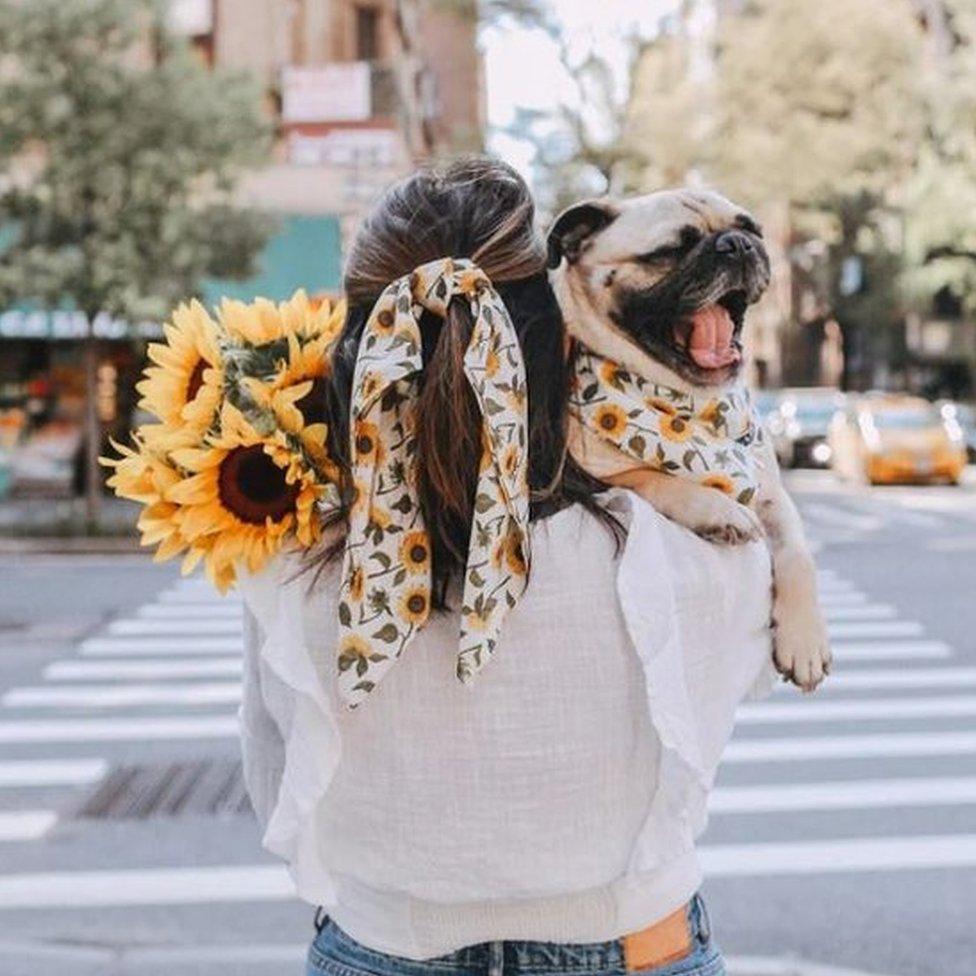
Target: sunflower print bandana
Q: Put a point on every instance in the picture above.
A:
(710, 440)
(386, 577)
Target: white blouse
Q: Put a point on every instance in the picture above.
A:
(559, 797)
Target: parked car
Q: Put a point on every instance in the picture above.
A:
(892, 438)
(799, 424)
(963, 414)
(765, 402)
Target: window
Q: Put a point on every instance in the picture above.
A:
(367, 33)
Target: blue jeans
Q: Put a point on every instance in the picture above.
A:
(333, 953)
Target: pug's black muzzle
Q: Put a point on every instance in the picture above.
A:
(730, 268)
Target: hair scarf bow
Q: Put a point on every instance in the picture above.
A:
(386, 578)
(709, 439)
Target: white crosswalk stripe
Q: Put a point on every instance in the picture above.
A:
(141, 670)
(919, 791)
(886, 746)
(124, 696)
(51, 772)
(900, 650)
(818, 710)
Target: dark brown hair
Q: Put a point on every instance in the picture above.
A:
(476, 208)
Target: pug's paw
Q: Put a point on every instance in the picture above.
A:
(721, 520)
(801, 650)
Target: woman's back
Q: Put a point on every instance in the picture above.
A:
(528, 805)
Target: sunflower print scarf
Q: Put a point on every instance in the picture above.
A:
(710, 440)
(386, 576)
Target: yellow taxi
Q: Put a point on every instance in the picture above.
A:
(892, 438)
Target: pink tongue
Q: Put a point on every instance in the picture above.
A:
(710, 342)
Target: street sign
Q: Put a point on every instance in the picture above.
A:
(326, 93)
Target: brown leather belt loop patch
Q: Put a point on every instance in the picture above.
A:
(659, 944)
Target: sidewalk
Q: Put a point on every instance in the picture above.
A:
(49, 525)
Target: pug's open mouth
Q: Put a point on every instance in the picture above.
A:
(710, 336)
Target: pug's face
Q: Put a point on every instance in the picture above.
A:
(660, 279)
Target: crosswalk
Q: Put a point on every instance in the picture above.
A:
(846, 756)
(169, 673)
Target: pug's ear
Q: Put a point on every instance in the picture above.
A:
(575, 226)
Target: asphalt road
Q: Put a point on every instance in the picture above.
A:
(843, 830)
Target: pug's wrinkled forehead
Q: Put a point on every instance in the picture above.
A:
(642, 226)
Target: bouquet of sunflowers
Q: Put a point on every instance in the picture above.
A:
(235, 464)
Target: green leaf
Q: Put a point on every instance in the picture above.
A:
(483, 503)
(388, 634)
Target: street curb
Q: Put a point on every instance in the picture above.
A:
(70, 545)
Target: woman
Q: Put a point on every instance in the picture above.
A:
(539, 813)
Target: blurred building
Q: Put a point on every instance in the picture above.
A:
(360, 91)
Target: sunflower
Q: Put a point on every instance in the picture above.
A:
(284, 407)
(720, 481)
(384, 322)
(184, 386)
(369, 449)
(477, 620)
(299, 333)
(143, 475)
(613, 374)
(415, 551)
(712, 414)
(611, 420)
(379, 517)
(414, 605)
(675, 428)
(237, 493)
(354, 652)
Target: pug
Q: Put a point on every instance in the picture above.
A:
(661, 285)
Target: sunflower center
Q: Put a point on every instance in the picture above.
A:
(195, 381)
(364, 445)
(608, 422)
(418, 553)
(417, 603)
(312, 405)
(253, 487)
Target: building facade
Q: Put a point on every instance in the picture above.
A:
(360, 91)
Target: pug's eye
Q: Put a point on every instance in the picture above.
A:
(689, 238)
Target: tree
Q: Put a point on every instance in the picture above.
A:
(119, 151)
(810, 113)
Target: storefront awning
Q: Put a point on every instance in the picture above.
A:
(304, 253)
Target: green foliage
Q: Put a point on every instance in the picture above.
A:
(857, 120)
(119, 151)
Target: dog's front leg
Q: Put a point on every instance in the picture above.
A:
(708, 512)
(801, 648)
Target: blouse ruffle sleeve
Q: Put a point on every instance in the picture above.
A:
(692, 690)
(306, 715)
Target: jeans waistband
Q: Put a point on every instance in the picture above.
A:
(525, 958)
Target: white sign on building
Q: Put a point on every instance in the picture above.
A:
(367, 148)
(190, 18)
(326, 93)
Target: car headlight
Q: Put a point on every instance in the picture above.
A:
(821, 453)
